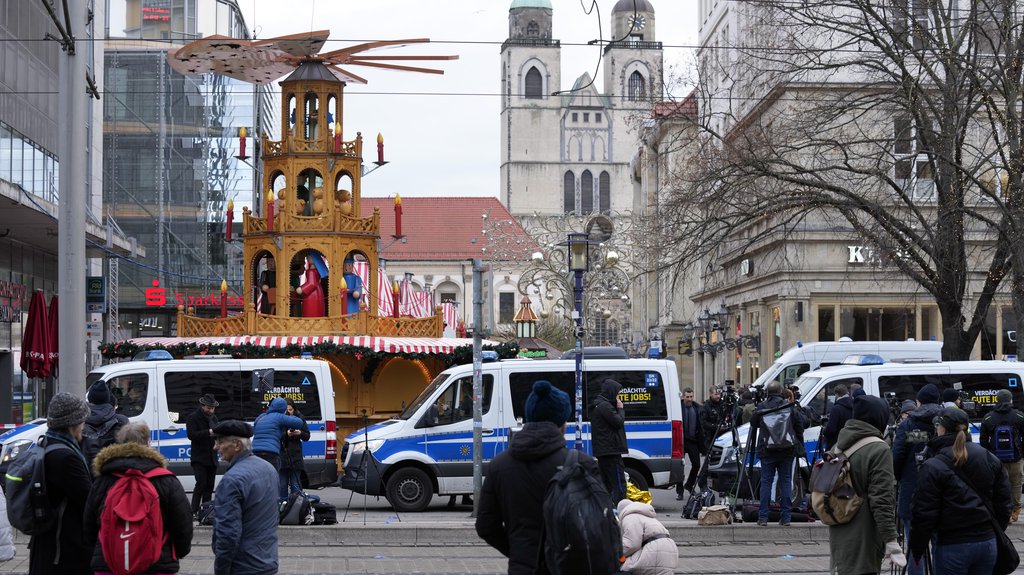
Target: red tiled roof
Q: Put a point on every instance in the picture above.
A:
(439, 228)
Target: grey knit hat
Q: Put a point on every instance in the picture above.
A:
(66, 410)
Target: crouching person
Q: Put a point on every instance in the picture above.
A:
(646, 543)
(118, 509)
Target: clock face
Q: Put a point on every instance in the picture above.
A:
(638, 22)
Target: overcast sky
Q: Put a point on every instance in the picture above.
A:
(441, 133)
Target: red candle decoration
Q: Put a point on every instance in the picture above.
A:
(231, 219)
(344, 296)
(380, 148)
(223, 298)
(398, 216)
(394, 292)
(337, 137)
(270, 210)
(241, 142)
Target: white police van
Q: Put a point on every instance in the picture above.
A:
(894, 381)
(163, 392)
(428, 448)
(806, 357)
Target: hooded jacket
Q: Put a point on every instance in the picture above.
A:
(270, 426)
(1004, 414)
(607, 422)
(174, 506)
(639, 523)
(945, 505)
(905, 448)
(510, 512)
(858, 546)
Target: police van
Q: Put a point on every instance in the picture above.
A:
(428, 448)
(977, 381)
(163, 392)
(806, 357)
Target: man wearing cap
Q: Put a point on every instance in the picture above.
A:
(510, 511)
(61, 549)
(950, 397)
(908, 443)
(199, 427)
(1002, 433)
(245, 512)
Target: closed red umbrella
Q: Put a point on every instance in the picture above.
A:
(52, 319)
(35, 342)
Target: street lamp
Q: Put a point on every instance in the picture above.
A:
(579, 248)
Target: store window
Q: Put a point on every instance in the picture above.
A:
(826, 323)
(877, 323)
(506, 307)
(777, 331)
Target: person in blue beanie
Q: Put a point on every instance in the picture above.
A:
(268, 429)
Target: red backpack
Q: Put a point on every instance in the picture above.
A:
(131, 524)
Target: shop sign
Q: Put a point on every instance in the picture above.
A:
(157, 296)
(12, 296)
(871, 255)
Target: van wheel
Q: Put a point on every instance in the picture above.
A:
(637, 478)
(409, 489)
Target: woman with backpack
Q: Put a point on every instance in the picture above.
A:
(291, 454)
(114, 466)
(961, 489)
(646, 543)
(61, 549)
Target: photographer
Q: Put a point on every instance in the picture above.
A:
(842, 410)
(712, 419)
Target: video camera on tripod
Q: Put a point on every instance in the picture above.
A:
(729, 396)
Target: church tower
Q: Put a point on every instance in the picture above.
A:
(633, 60)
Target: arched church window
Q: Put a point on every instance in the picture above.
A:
(569, 193)
(605, 188)
(586, 192)
(637, 91)
(534, 84)
(532, 29)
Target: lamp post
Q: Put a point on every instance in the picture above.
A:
(578, 248)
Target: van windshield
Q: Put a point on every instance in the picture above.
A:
(413, 407)
(806, 385)
(769, 375)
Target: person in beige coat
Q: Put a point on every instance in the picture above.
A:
(648, 547)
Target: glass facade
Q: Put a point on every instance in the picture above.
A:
(27, 164)
(170, 143)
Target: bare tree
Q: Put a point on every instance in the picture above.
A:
(894, 121)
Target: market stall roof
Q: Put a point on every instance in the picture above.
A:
(377, 344)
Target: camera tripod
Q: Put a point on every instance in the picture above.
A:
(364, 466)
(725, 420)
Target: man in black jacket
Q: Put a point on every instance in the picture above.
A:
(780, 439)
(199, 427)
(510, 513)
(103, 422)
(608, 437)
(841, 411)
(693, 441)
(712, 417)
(1002, 433)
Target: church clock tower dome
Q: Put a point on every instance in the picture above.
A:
(529, 19)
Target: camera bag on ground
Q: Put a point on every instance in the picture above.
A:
(750, 511)
(832, 495)
(696, 502)
(714, 515)
(28, 507)
(581, 531)
(205, 514)
(131, 525)
(298, 510)
(324, 514)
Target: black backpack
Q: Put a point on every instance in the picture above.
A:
(28, 506)
(776, 431)
(696, 502)
(96, 438)
(1004, 443)
(297, 510)
(581, 529)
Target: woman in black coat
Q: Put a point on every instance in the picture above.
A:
(954, 510)
(292, 466)
(133, 452)
(61, 550)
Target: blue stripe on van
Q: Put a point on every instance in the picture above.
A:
(17, 431)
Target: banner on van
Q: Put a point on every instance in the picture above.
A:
(296, 394)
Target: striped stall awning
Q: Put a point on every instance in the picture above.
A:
(378, 344)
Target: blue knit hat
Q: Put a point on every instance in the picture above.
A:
(928, 394)
(547, 403)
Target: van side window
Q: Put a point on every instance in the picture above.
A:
(130, 392)
(455, 403)
(184, 388)
(906, 386)
(789, 374)
(298, 386)
(642, 394)
(825, 399)
(521, 383)
(982, 388)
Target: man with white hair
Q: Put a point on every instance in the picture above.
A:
(245, 511)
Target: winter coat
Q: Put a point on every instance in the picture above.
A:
(99, 416)
(772, 404)
(198, 426)
(858, 546)
(67, 479)
(245, 517)
(607, 422)
(270, 426)
(693, 431)
(291, 448)
(7, 550)
(710, 417)
(904, 452)
(1004, 414)
(945, 505)
(510, 511)
(841, 411)
(174, 506)
(639, 523)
